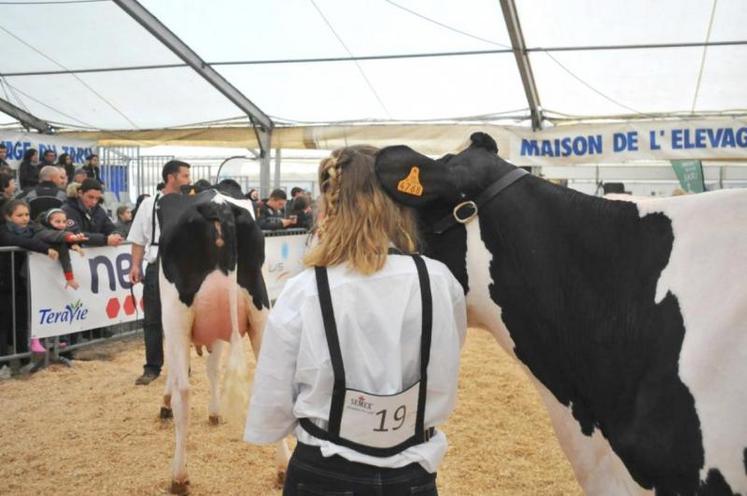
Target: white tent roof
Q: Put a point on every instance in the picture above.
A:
(88, 64)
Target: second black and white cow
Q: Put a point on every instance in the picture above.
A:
(212, 291)
(631, 317)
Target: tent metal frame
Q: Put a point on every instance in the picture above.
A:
(316, 60)
(511, 16)
(28, 120)
(261, 122)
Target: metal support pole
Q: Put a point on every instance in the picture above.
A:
(28, 120)
(13, 300)
(276, 181)
(511, 16)
(265, 139)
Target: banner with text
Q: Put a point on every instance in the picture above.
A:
(283, 260)
(18, 142)
(103, 298)
(712, 139)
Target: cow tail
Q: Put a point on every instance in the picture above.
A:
(235, 397)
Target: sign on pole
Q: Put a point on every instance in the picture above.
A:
(690, 175)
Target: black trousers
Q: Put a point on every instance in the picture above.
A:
(152, 328)
(309, 473)
(6, 321)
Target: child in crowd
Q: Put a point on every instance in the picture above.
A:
(124, 220)
(17, 231)
(51, 228)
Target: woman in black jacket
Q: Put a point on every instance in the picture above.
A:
(28, 172)
(66, 162)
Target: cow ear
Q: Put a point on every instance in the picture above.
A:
(411, 178)
(483, 140)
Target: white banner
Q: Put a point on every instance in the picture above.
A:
(712, 139)
(103, 298)
(283, 260)
(18, 142)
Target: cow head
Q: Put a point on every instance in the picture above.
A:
(434, 187)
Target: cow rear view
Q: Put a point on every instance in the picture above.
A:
(212, 292)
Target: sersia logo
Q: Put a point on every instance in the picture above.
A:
(361, 402)
(72, 312)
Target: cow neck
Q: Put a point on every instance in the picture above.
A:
(471, 207)
(542, 232)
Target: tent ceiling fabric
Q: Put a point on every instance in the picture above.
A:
(572, 84)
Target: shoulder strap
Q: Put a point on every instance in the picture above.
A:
(425, 340)
(335, 354)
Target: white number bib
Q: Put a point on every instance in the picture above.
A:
(379, 421)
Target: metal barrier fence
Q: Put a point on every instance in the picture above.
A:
(12, 298)
(15, 308)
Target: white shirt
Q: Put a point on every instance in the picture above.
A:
(141, 231)
(379, 320)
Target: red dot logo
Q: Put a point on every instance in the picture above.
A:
(129, 305)
(112, 308)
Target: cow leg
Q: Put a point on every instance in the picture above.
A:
(166, 411)
(177, 329)
(255, 328)
(178, 362)
(213, 373)
(282, 456)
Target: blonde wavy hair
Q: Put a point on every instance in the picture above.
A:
(358, 222)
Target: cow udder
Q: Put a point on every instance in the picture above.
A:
(212, 312)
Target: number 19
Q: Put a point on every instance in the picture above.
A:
(399, 416)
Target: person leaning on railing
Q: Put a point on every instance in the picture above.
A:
(86, 216)
(271, 214)
(16, 230)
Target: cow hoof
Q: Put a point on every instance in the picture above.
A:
(166, 413)
(181, 488)
(214, 419)
(280, 482)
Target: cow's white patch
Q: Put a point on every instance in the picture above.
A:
(245, 204)
(707, 272)
(598, 469)
(481, 309)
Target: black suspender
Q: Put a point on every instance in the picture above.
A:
(153, 240)
(335, 354)
(339, 388)
(425, 340)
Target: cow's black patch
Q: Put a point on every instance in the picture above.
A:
(188, 248)
(575, 277)
(251, 256)
(716, 485)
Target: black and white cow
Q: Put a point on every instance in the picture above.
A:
(630, 317)
(212, 291)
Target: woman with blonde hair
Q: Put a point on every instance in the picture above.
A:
(360, 354)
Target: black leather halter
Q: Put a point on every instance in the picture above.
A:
(467, 210)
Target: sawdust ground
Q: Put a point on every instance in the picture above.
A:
(89, 430)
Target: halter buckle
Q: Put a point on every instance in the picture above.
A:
(471, 216)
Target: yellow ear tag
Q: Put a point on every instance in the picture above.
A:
(411, 184)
